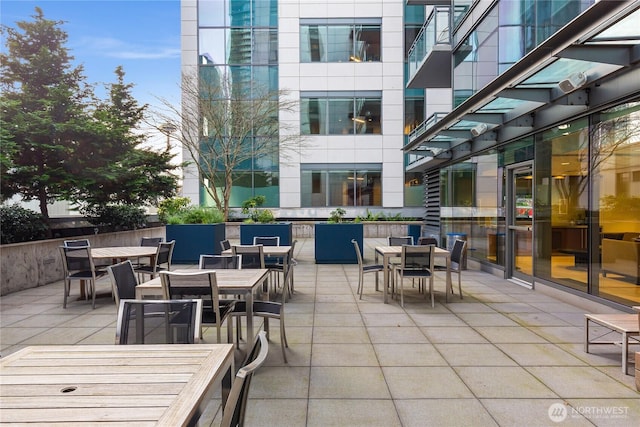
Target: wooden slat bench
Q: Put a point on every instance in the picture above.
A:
(625, 324)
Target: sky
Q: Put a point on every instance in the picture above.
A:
(143, 36)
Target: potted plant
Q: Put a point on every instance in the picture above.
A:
(333, 239)
(261, 222)
(197, 230)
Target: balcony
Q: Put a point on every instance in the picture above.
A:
(430, 54)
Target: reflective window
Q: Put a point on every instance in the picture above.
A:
(339, 114)
(339, 42)
(323, 186)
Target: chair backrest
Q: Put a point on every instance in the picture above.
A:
(165, 253)
(267, 240)
(252, 255)
(151, 241)
(235, 408)
(193, 284)
(123, 281)
(417, 257)
(225, 245)
(428, 241)
(457, 252)
(159, 321)
(358, 254)
(77, 243)
(220, 262)
(76, 259)
(400, 240)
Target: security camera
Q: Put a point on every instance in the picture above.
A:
(479, 129)
(573, 82)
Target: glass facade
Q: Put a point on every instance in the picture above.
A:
(341, 185)
(340, 40)
(340, 113)
(585, 204)
(238, 44)
(505, 35)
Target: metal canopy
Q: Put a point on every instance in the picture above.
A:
(589, 63)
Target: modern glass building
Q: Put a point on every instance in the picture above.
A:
(343, 65)
(537, 163)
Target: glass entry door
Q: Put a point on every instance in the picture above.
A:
(520, 212)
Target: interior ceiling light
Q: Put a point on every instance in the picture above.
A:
(573, 82)
(479, 129)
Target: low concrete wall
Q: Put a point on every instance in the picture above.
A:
(32, 264)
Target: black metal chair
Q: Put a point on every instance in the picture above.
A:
(213, 262)
(457, 255)
(416, 262)
(268, 310)
(78, 265)
(364, 269)
(235, 408)
(161, 262)
(201, 284)
(158, 321)
(428, 241)
(76, 243)
(225, 245)
(400, 240)
(252, 255)
(123, 281)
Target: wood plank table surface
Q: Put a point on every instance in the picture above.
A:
(388, 252)
(230, 282)
(155, 385)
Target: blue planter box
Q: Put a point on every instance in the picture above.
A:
(333, 242)
(192, 240)
(284, 230)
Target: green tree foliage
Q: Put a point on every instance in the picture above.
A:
(68, 145)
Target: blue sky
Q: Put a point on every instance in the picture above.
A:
(141, 35)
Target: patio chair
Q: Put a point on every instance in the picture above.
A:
(416, 262)
(158, 321)
(267, 240)
(213, 262)
(427, 241)
(225, 245)
(279, 267)
(201, 284)
(235, 408)
(252, 255)
(400, 240)
(123, 281)
(76, 243)
(457, 255)
(78, 265)
(162, 261)
(151, 241)
(363, 269)
(267, 310)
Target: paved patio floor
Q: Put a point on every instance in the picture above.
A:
(502, 356)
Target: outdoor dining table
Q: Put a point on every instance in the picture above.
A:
(388, 252)
(230, 282)
(119, 253)
(161, 385)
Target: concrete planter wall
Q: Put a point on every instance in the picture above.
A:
(32, 264)
(306, 229)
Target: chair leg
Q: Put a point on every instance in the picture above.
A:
(66, 293)
(459, 284)
(431, 291)
(360, 285)
(283, 340)
(229, 330)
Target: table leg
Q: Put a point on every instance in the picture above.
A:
(250, 334)
(385, 280)
(448, 275)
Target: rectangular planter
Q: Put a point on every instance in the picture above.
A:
(333, 242)
(195, 239)
(284, 230)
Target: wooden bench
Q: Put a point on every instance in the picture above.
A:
(626, 324)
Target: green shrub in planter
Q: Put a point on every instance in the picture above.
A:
(118, 217)
(196, 215)
(18, 224)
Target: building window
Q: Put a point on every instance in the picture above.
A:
(339, 40)
(341, 185)
(339, 113)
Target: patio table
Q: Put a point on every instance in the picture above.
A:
(162, 385)
(230, 282)
(388, 252)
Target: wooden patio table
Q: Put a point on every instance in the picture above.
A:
(155, 385)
